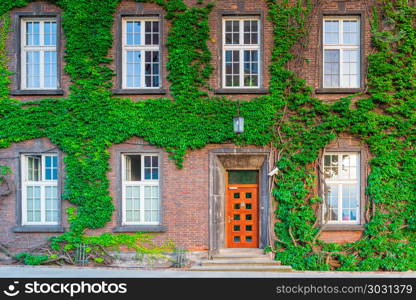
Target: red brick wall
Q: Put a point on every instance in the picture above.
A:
(184, 194)
(10, 157)
(186, 190)
(340, 237)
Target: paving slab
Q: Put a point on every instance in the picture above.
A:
(87, 272)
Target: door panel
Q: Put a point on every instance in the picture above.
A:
(242, 216)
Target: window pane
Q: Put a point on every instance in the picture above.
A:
(351, 32)
(152, 32)
(147, 161)
(331, 68)
(33, 168)
(232, 67)
(331, 29)
(251, 32)
(133, 31)
(32, 34)
(232, 29)
(50, 68)
(51, 168)
(251, 68)
(132, 200)
(133, 69)
(133, 167)
(332, 202)
(349, 202)
(151, 203)
(349, 166)
(351, 76)
(152, 68)
(331, 168)
(50, 33)
(151, 170)
(243, 177)
(33, 204)
(33, 69)
(51, 204)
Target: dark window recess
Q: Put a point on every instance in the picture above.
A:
(133, 167)
(243, 177)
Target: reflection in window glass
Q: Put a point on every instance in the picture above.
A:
(242, 177)
(342, 187)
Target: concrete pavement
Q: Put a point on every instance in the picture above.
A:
(77, 272)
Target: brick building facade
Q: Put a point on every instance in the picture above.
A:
(192, 200)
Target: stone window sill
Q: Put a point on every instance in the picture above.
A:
(56, 92)
(343, 227)
(259, 91)
(338, 91)
(139, 92)
(39, 228)
(140, 228)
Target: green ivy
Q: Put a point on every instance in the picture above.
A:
(384, 118)
(86, 123)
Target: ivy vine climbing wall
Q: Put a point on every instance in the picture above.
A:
(90, 120)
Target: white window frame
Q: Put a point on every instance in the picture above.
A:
(142, 184)
(341, 48)
(42, 184)
(340, 182)
(42, 49)
(241, 47)
(142, 48)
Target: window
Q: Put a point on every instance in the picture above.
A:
(140, 184)
(39, 54)
(241, 53)
(141, 53)
(341, 55)
(342, 188)
(40, 202)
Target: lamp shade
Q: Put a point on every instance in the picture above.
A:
(238, 125)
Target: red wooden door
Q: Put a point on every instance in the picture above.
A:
(242, 216)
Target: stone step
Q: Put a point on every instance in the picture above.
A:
(251, 251)
(245, 268)
(240, 256)
(240, 262)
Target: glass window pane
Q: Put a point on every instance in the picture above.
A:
(33, 204)
(242, 177)
(132, 200)
(133, 31)
(350, 65)
(33, 168)
(147, 161)
(33, 69)
(51, 203)
(133, 168)
(232, 29)
(331, 29)
(33, 33)
(50, 69)
(331, 68)
(147, 173)
(133, 69)
(351, 32)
